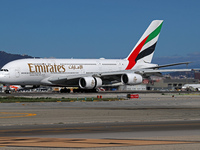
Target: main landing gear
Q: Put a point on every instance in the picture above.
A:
(65, 90)
(84, 90)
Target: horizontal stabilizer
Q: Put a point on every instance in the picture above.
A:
(168, 65)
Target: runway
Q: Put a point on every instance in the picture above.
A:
(153, 121)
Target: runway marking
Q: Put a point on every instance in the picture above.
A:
(15, 115)
(81, 143)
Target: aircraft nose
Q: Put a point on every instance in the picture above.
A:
(2, 78)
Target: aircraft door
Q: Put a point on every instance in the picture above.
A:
(17, 73)
(99, 66)
(119, 64)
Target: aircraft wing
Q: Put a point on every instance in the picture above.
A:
(68, 77)
(110, 77)
(144, 72)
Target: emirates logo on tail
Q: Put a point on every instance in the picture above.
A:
(145, 47)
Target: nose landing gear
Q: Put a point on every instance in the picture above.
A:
(7, 91)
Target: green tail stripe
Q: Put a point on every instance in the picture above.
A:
(154, 33)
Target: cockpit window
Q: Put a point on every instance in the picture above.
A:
(5, 70)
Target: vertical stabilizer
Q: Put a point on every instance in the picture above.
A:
(144, 49)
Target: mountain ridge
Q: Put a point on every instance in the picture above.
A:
(7, 57)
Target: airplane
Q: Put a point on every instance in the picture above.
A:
(89, 74)
(192, 87)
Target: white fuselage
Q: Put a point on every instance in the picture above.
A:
(37, 71)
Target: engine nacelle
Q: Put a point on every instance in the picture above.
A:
(131, 78)
(90, 82)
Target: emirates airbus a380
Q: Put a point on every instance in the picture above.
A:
(89, 74)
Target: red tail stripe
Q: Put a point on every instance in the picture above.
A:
(134, 54)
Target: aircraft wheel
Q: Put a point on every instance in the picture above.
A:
(7, 91)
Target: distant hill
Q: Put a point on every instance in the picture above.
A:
(7, 57)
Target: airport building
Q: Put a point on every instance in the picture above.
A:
(197, 75)
(170, 84)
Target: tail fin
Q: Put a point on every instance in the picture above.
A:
(144, 49)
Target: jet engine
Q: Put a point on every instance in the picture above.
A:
(89, 82)
(131, 78)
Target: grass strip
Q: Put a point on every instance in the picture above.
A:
(13, 99)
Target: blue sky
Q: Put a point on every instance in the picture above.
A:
(96, 28)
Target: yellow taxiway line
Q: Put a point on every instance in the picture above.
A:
(15, 115)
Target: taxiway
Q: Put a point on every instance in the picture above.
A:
(153, 121)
